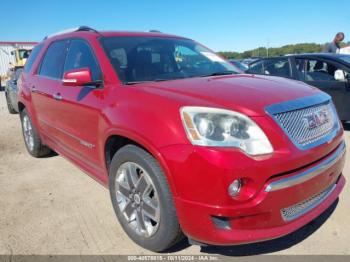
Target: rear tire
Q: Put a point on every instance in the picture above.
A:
(9, 105)
(31, 137)
(138, 188)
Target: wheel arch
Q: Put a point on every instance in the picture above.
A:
(117, 139)
(21, 106)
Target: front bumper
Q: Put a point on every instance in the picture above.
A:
(203, 196)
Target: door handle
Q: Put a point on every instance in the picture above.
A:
(57, 96)
(34, 90)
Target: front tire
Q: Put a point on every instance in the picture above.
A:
(142, 200)
(31, 137)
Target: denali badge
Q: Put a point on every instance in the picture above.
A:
(316, 119)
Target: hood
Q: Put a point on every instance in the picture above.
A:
(248, 94)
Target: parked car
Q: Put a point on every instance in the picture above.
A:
(185, 145)
(250, 60)
(241, 67)
(11, 92)
(328, 72)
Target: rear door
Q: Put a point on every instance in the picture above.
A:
(80, 106)
(331, 78)
(45, 87)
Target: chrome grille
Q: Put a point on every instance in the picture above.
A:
(297, 210)
(297, 126)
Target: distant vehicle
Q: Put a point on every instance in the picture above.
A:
(20, 56)
(328, 72)
(345, 50)
(11, 92)
(242, 67)
(248, 61)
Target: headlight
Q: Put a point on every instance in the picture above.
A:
(207, 126)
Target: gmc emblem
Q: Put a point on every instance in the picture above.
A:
(316, 119)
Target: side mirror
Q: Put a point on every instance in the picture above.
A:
(339, 76)
(77, 77)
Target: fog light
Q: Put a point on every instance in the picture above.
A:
(235, 187)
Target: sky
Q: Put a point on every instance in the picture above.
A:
(222, 25)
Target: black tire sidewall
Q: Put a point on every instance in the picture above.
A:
(169, 226)
(9, 105)
(39, 149)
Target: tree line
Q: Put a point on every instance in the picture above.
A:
(277, 51)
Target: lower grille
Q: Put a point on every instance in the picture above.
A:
(299, 209)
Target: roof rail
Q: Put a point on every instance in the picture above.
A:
(154, 31)
(75, 29)
(87, 28)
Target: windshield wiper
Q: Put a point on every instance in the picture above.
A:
(150, 81)
(220, 73)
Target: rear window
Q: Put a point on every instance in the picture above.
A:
(277, 67)
(32, 57)
(345, 58)
(274, 67)
(256, 68)
(53, 61)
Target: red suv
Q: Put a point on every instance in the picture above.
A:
(185, 144)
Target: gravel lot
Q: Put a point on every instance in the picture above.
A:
(48, 206)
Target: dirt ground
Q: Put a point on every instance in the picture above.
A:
(48, 206)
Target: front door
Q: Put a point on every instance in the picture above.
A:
(80, 107)
(331, 78)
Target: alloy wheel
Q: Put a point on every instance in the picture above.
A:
(137, 199)
(28, 132)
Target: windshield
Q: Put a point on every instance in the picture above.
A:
(346, 58)
(140, 59)
(240, 65)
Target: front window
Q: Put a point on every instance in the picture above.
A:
(318, 70)
(140, 59)
(80, 56)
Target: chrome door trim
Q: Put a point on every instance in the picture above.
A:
(82, 142)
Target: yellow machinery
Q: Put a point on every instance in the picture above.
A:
(20, 55)
(20, 58)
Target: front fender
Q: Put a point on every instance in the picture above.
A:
(145, 143)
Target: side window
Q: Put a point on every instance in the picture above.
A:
(300, 67)
(32, 57)
(318, 70)
(256, 68)
(52, 63)
(277, 67)
(80, 56)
